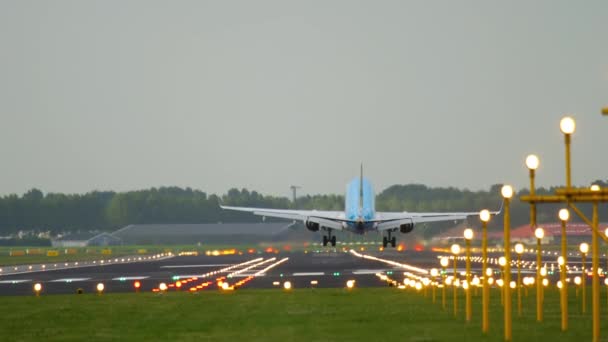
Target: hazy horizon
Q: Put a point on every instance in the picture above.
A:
(126, 95)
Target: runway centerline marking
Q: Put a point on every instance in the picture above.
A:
(15, 281)
(68, 280)
(131, 278)
(188, 266)
(306, 274)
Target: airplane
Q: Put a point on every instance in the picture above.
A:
(359, 215)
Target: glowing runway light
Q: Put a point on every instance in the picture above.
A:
(100, 288)
(137, 285)
(287, 285)
(350, 284)
(37, 288)
(162, 287)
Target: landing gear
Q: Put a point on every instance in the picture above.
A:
(329, 238)
(389, 239)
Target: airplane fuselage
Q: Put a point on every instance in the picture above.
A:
(359, 206)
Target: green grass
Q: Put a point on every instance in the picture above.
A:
(273, 315)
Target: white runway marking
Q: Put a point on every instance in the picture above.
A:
(131, 278)
(187, 266)
(368, 271)
(68, 280)
(306, 274)
(15, 281)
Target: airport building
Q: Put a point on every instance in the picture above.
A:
(86, 239)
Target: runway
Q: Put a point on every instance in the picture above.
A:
(322, 269)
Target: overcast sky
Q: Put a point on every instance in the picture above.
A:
(122, 95)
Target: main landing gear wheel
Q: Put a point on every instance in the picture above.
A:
(384, 241)
(333, 241)
(324, 240)
(393, 242)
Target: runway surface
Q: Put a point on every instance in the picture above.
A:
(328, 268)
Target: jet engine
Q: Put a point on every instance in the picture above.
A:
(406, 228)
(312, 226)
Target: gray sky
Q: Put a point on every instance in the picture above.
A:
(121, 95)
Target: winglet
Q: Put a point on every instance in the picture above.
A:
(361, 192)
(502, 204)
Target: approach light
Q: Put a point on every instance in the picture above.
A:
(484, 215)
(37, 288)
(606, 281)
(532, 162)
(489, 272)
(468, 234)
(162, 287)
(559, 284)
(512, 284)
(606, 232)
(100, 288)
(350, 284)
(500, 282)
(564, 214)
(595, 187)
(543, 272)
(507, 191)
(539, 233)
(434, 272)
(577, 280)
(287, 285)
(519, 248)
(455, 249)
(502, 261)
(560, 260)
(445, 261)
(490, 281)
(545, 282)
(584, 248)
(137, 285)
(567, 125)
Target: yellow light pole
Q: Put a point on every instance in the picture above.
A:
(484, 216)
(564, 216)
(519, 249)
(468, 236)
(444, 264)
(434, 273)
(595, 265)
(455, 250)
(539, 233)
(502, 262)
(567, 126)
(584, 248)
(564, 297)
(605, 111)
(532, 162)
(507, 193)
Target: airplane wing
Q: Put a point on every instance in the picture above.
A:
(387, 220)
(329, 219)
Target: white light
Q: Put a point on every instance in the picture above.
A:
(502, 261)
(559, 284)
(595, 187)
(564, 214)
(560, 261)
(489, 272)
(455, 249)
(543, 271)
(484, 215)
(584, 248)
(162, 287)
(500, 282)
(577, 280)
(519, 248)
(507, 191)
(532, 162)
(434, 272)
(539, 233)
(287, 285)
(468, 233)
(512, 284)
(350, 284)
(490, 281)
(445, 261)
(37, 287)
(545, 282)
(567, 125)
(100, 287)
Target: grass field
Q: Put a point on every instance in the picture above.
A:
(273, 315)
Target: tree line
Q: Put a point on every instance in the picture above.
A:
(107, 210)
